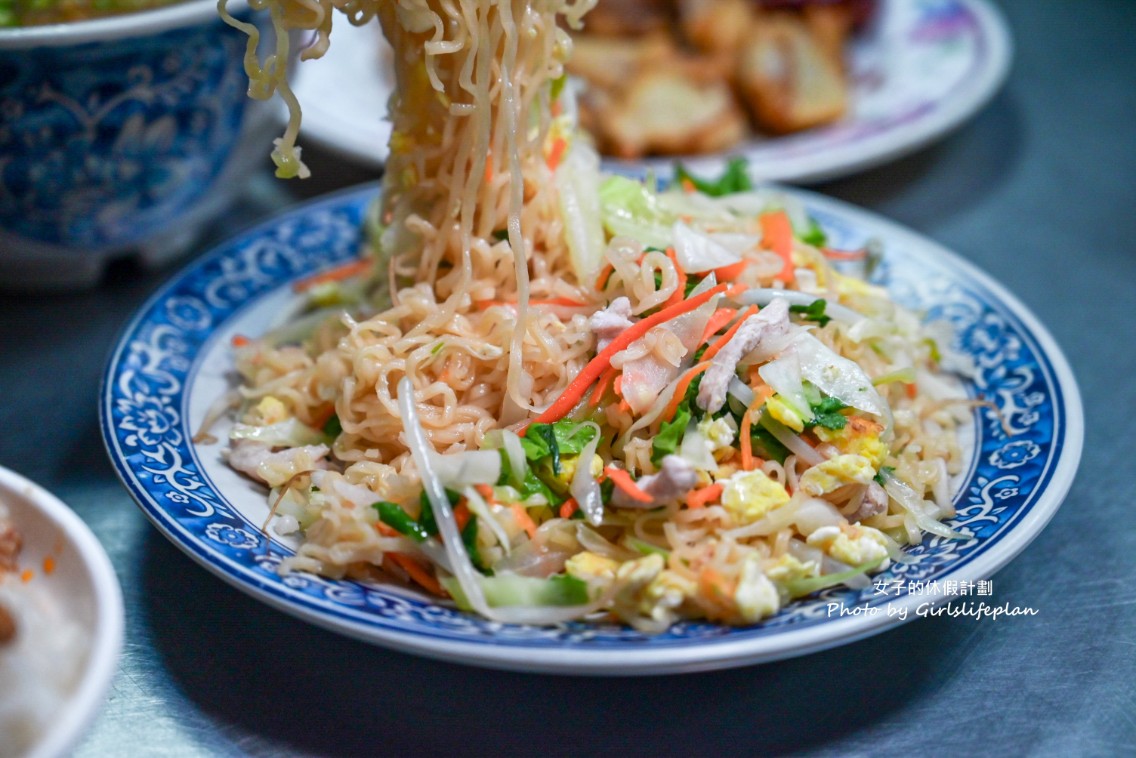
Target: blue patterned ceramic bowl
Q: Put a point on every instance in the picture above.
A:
(118, 135)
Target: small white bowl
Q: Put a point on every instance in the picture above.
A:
(82, 583)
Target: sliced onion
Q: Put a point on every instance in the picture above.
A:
(814, 514)
(785, 378)
(786, 437)
(695, 450)
(478, 507)
(697, 252)
(422, 453)
(531, 559)
(594, 542)
(741, 391)
(584, 486)
(908, 499)
(460, 470)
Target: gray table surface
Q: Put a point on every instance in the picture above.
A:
(1039, 190)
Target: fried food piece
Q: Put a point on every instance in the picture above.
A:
(680, 108)
(788, 80)
(610, 64)
(716, 27)
(628, 17)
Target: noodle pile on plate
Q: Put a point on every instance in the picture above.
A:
(557, 394)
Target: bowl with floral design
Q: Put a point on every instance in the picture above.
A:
(119, 135)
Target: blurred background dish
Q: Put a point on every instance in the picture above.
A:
(118, 135)
(61, 622)
(913, 71)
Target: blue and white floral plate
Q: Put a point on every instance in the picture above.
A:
(173, 361)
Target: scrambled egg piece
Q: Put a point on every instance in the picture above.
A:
(788, 568)
(749, 495)
(271, 410)
(835, 473)
(592, 568)
(785, 413)
(860, 436)
(665, 595)
(568, 464)
(853, 544)
(756, 597)
(718, 432)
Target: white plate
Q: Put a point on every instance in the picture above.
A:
(173, 360)
(921, 69)
(79, 581)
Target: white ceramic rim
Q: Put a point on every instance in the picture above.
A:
(327, 128)
(119, 26)
(89, 697)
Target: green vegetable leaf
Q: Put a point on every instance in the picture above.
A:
(333, 428)
(469, 539)
(734, 179)
(426, 518)
(814, 235)
(884, 470)
(766, 445)
(809, 585)
(557, 86)
(396, 518)
(814, 311)
(826, 413)
(501, 235)
(666, 442)
(504, 590)
(568, 437)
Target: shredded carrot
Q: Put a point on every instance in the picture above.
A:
(556, 152)
(26, 575)
(486, 491)
(239, 340)
(606, 378)
(48, 564)
(524, 520)
(575, 390)
(415, 571)
(337, 274)
(749, 460)
(844, 255)
(489, 167)
(717, 321)
(715, 586)
(461, 514)
(605, 274)
(688, 186)
(680, 291)
(319, 421)
(556, 108)
(721, 341)
(777, 236)
(681, 387)
(696, 499)
(568, 507)
(733, 271)
(623, 481)
(910, 387)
